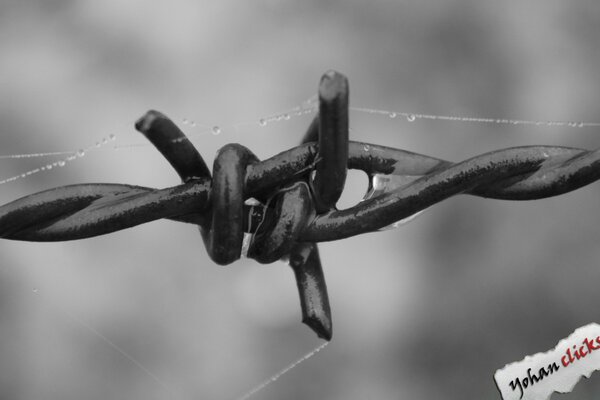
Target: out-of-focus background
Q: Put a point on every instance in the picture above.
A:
(427, 311)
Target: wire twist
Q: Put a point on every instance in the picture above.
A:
(288, 201)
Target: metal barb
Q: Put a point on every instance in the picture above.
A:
(297, 190)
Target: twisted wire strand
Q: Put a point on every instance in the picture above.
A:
(519, 173)
(294, 193)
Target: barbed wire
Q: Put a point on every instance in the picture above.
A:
(288, 201)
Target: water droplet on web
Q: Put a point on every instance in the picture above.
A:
(61, 163)
(286, 117)
(499, 121)
(382, 183)
(35, 290)
(193, 124)
(49, 166)
(80, 153)
(23, 175)
(366, 147)
(97, 144)
(104, 140)
(112, 137)
(185, 121)
(216, 130)
(401, 222)
(262, 122)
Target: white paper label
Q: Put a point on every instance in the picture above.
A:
(536, 377)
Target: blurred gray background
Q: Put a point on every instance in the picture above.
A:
(427, 311)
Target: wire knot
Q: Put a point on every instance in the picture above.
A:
(288, 202)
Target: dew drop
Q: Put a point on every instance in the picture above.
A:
(23, 175)
(580, 125)
(381, 184)
(49, 166)
(216, 130)
(286, 117)
(392, 115)
(262, 122)
(61, 163)
(97, 144)
(366, 147)
(185, 121)
(35, 290)
(104, 140)
(404, 221)
(112, 137)
(411, 117)
(80, 153)
(193, 124)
